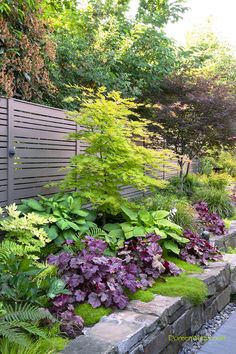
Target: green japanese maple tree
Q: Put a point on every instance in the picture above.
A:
(115, 155)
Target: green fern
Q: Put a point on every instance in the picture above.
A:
(96, 232)
(19, 324)
(7, 248)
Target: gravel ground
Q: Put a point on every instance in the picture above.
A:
(208, 329)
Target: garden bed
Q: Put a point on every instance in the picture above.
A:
(152, 327)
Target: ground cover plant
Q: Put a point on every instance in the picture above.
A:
(190, 288)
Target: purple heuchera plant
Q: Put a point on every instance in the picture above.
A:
(211, 221)
(100, 280)
(198, 250)
(91, 277)
(145, 254)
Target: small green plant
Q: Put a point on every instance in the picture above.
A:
(219, 180)
(90, 314)
(26, 230)
(218, 200)
(140, 223)
(141, 295)
(193, 289)
(23, 279)
(19, 324)
(68, 218)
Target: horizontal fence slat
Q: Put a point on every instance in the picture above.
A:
(47, 171)
(44, 153)
(44, 133)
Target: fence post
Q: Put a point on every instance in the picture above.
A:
(10, 151)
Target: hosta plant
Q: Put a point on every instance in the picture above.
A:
(68, 217)
(140, 223)
(210, 221)
(198, 250)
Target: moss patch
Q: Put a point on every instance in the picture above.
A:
(142, 295)
(91, 315)
(187, 267)
(185, 286)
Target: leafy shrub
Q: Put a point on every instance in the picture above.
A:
(195, 290)
(90, 314)
(140, 223)
(206, 165)
(23, 280)
(67, 217)
(211, 221)
(185, 187)
(219, 180)
(198, 250)
(26, 230)
(184, 214)
(227, 161)
(218, 201)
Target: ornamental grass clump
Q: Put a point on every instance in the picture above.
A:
(198, 250)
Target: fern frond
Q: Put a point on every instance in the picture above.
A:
(96, 231)
(13, 335)
(29, 327)
(7, 248)
(48, 270)
(24, 312)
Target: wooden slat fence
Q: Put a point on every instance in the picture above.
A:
(37, 135)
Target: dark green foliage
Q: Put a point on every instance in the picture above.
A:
(90, 314)
(22, 279)
(69, 218)
(140, 223)
(185, 286)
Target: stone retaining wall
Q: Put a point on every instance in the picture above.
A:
(225, 241)
(148, 327)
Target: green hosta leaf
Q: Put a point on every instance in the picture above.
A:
(110, 227)
(80, 212)
(132, 215)
(146, 217)
(68, 234)
(168, 223)
(63, 224)
(33, 203)
(52, 232)
(175, 236)
(160, 232)
(169, 245)
(139, 231)
(160, 214)
(75, 205)
(73, 225)
(57, 287)
(127, 227)
(129, 234)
